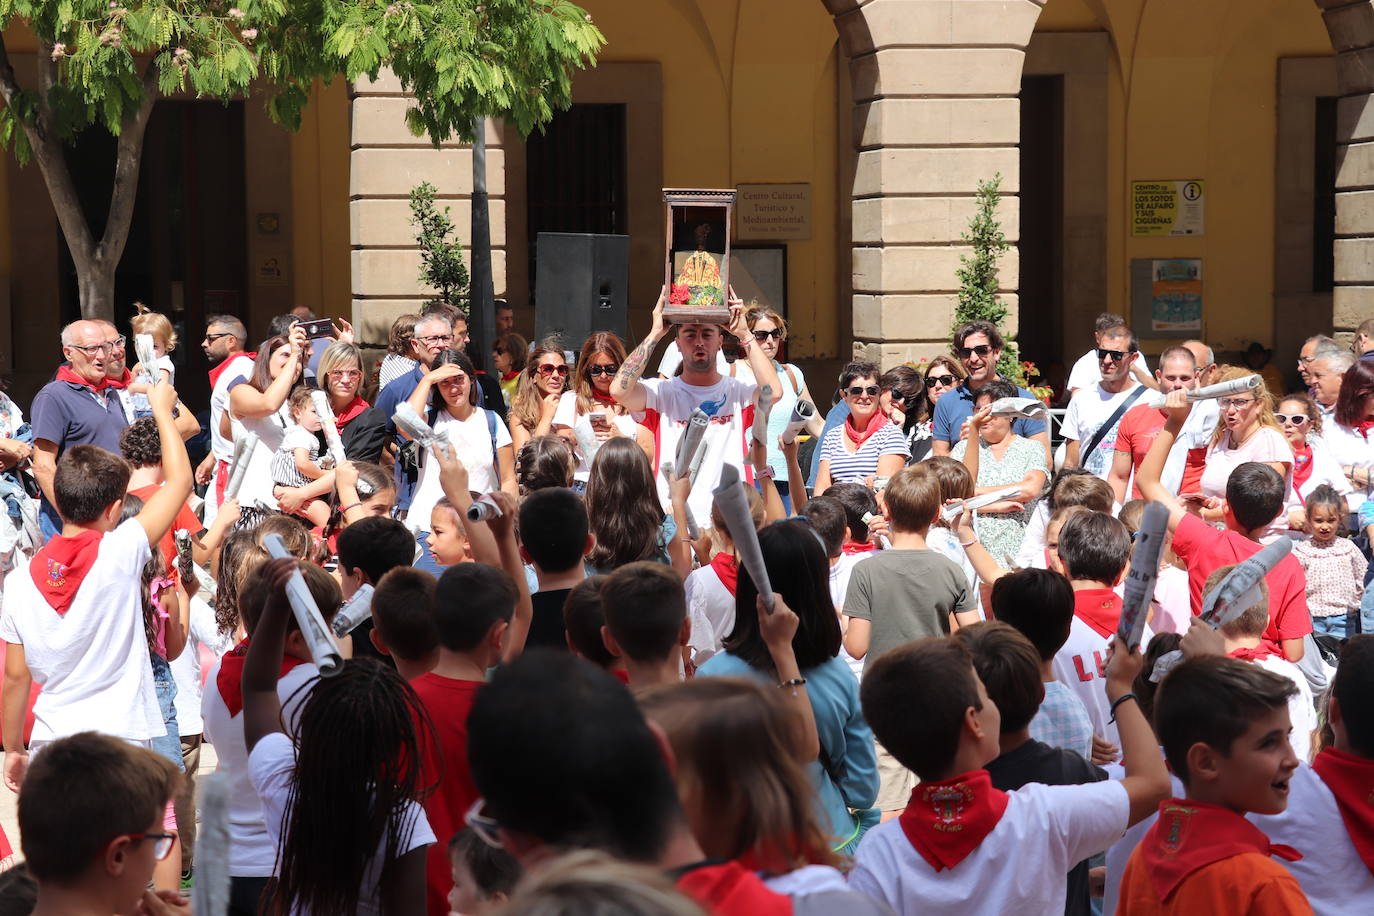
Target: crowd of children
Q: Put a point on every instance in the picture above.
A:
(557, 702)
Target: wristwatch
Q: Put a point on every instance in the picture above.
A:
(765, 471)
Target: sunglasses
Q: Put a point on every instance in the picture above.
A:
(1297, 419)
(855, 391)
(1115, 356)
(497, 351)
(211, 338)
(761, 336)
(548, 369)
(966, 352)
(944, 381)
(1234, 403)
(610, 370)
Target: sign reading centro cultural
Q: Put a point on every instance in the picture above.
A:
(1167, 208)
(766, 212)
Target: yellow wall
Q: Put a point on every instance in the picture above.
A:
(319, 201)
(1192, 94)
(750, 95)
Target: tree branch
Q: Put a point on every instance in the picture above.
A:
(9, 85)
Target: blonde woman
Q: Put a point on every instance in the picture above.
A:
(537, 393)
(587, 415)
(1246, 431)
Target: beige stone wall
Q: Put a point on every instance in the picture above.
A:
(386, 162)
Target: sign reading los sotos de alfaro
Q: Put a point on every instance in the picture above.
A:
(1167, 208)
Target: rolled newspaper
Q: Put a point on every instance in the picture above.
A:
(734, 509)
(1140, 581)
(330, 425)
(1240, 590)
(1018, 408)
(802, 412)
(761, 411)
(354, 611)
(323, 652)
(693, 531)
(954, 510)
(244, 447)
(483, 508)
(210, 897)
(143, 347)
(687, 458)
(410, 423)
(1221, 390)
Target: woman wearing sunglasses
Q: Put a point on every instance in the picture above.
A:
(1313, 462)
(541, 384)
(867, 444)
(508, 358)
(1246, 431)
(587, 415)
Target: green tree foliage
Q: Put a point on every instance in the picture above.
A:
(978, 274)
(103, 64)
(441, 260)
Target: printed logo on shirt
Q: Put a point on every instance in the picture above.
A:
(948, 802)
(1178, 817)
(1083, 673)
(711, 408)
(57, 573)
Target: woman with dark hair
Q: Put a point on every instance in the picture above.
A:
(399, 358)
(1349, 436)
(846, 773)
(537, 392)
(587, 414)
(903, 401)
(866, 444)
(625, 514)
(260, 407)
(508, 359)
(361, 426)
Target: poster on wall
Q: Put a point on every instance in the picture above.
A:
(1167, 208)
(1176, 295)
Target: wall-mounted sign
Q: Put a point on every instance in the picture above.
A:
(1167, 208)
(769, 212)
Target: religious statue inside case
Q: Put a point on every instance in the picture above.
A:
(697, 270)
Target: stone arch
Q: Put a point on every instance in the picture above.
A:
(936, 92)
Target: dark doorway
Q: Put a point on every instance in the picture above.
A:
(187, 251)
(1041, 324)
(1324, 197)
(575, 175)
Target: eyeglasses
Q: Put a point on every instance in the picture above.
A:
(485, 827)
(855, 391)
(761, 336)
(944, 381)
(966, 352)
(1234, 403)
(1115, 356)
(1297, 419)
(211, 338)
(106, 348)
(548, 369)
(433, 339)
(162, 842)
(610, 370)
(345, 373)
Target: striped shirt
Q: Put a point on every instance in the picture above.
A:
(846, 465)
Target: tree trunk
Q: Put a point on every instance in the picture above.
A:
(481, 301)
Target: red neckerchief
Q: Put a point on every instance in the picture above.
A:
(850, 548)
(1191, 835)
(730, 889)
(1351, 780)
(1363, 427)
(122, 382)
(1251, 655)
(216, 372)
(507, 376)
(727, 569)
(773, 858)
(875, 423)
(1099, 608)
(1302, 466)
(351, 412)
(622, 676)
(61, 565)
(600, 398)
(65, 374)
(947, 820)
(229, 681)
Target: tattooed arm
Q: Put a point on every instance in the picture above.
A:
(626, 388)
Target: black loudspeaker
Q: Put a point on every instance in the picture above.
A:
(581, 286)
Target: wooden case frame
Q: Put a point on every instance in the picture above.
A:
(675, 199)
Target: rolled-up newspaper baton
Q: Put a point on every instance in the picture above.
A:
(761, 411)
(210, 895)
(734, 509)
(954, 510)
(687, 457)
(1240, 590)
(353, 612)
(244, 447)
(323, 652)
(483, 508)
(1018, 408)
(802, 412)
(330, 425)
(143, 347)
(1221, 390)
(410, 423)
(1140, 581)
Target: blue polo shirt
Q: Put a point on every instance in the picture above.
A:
(957, 406)
(68, 414)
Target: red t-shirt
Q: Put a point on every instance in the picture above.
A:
(1137, 432)
(448, 702)
(1205, 549)
(168, 545)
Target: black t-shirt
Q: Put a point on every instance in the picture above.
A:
(546, 627)
(1051, 766)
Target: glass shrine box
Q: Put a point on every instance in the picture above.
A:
(697, 268)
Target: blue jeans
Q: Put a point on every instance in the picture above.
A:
(169, 745)
(1337, 626)
(1367, 611)
(49, 522)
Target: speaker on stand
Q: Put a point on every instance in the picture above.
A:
(581, 286)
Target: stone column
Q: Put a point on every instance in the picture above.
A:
(1351, 26)
(386, 162)
(936, 85)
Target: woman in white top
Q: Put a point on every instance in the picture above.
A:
(587, 415)
(1313, 463)
(1348, 436)
(1246, 431)
(259, 407)
(537, 393)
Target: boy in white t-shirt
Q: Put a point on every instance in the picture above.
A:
(962, 846)
(74, 623)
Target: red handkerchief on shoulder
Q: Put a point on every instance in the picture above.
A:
(947, 820)
(1351, 780)
(1190, 835)
(60, 566)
